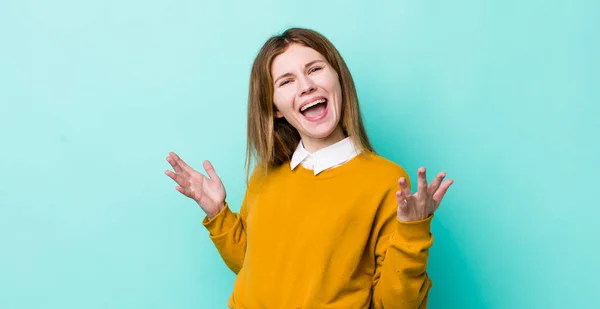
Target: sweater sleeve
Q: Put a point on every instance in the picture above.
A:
(228, 230)
(228, 233)
(401, 253)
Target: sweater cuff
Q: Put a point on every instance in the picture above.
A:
(419, 230)
(221, 223)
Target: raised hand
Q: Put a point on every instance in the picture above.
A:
(209, 193)
(418, 206)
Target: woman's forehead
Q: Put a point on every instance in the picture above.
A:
(295, 56)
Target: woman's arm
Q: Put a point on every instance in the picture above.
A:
(228, 232)
(401, 279)
(227, 229)
(402, 249)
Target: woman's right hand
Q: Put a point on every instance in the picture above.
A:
(209, 193)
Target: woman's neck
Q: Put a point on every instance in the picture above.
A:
(314, 144)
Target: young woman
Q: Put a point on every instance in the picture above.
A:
(325, 221)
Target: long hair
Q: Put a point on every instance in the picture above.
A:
(271, 141)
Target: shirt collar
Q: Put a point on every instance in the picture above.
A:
(327, 157)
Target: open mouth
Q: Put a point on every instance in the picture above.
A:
(315, 110)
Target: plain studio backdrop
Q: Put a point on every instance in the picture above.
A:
(503, 95)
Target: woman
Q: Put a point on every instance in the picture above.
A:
(325, 221)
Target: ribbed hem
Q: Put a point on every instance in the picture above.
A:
(419, 230)
(221, 223)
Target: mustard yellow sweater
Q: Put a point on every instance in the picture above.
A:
(327, 241)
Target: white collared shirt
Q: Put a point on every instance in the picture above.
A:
(328, 157)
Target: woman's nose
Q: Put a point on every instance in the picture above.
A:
(306, 85)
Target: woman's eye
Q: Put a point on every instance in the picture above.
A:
(314, 69)
(283, 83)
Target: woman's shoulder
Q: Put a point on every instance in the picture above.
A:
(381, 167)
(262, 172)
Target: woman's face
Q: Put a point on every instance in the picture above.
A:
(307, 93)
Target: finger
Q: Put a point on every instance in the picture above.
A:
(210, 170)
(435, 184)
(402, 204)
(178, 179)
(404, 187)
(439, 194)
(400, 197)
(178, 169)
(186, 168)
(184, 191)
(422, 182)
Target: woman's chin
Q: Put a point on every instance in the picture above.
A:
(321, 133)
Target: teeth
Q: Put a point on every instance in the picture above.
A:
(305, 107)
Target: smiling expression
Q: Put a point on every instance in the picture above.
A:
(307, 93)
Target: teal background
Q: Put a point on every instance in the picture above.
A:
(503, 95)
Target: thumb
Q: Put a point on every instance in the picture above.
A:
(210, 170)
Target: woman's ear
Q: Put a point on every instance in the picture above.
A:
(278, 114)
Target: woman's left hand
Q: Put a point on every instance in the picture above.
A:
(421, 205)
